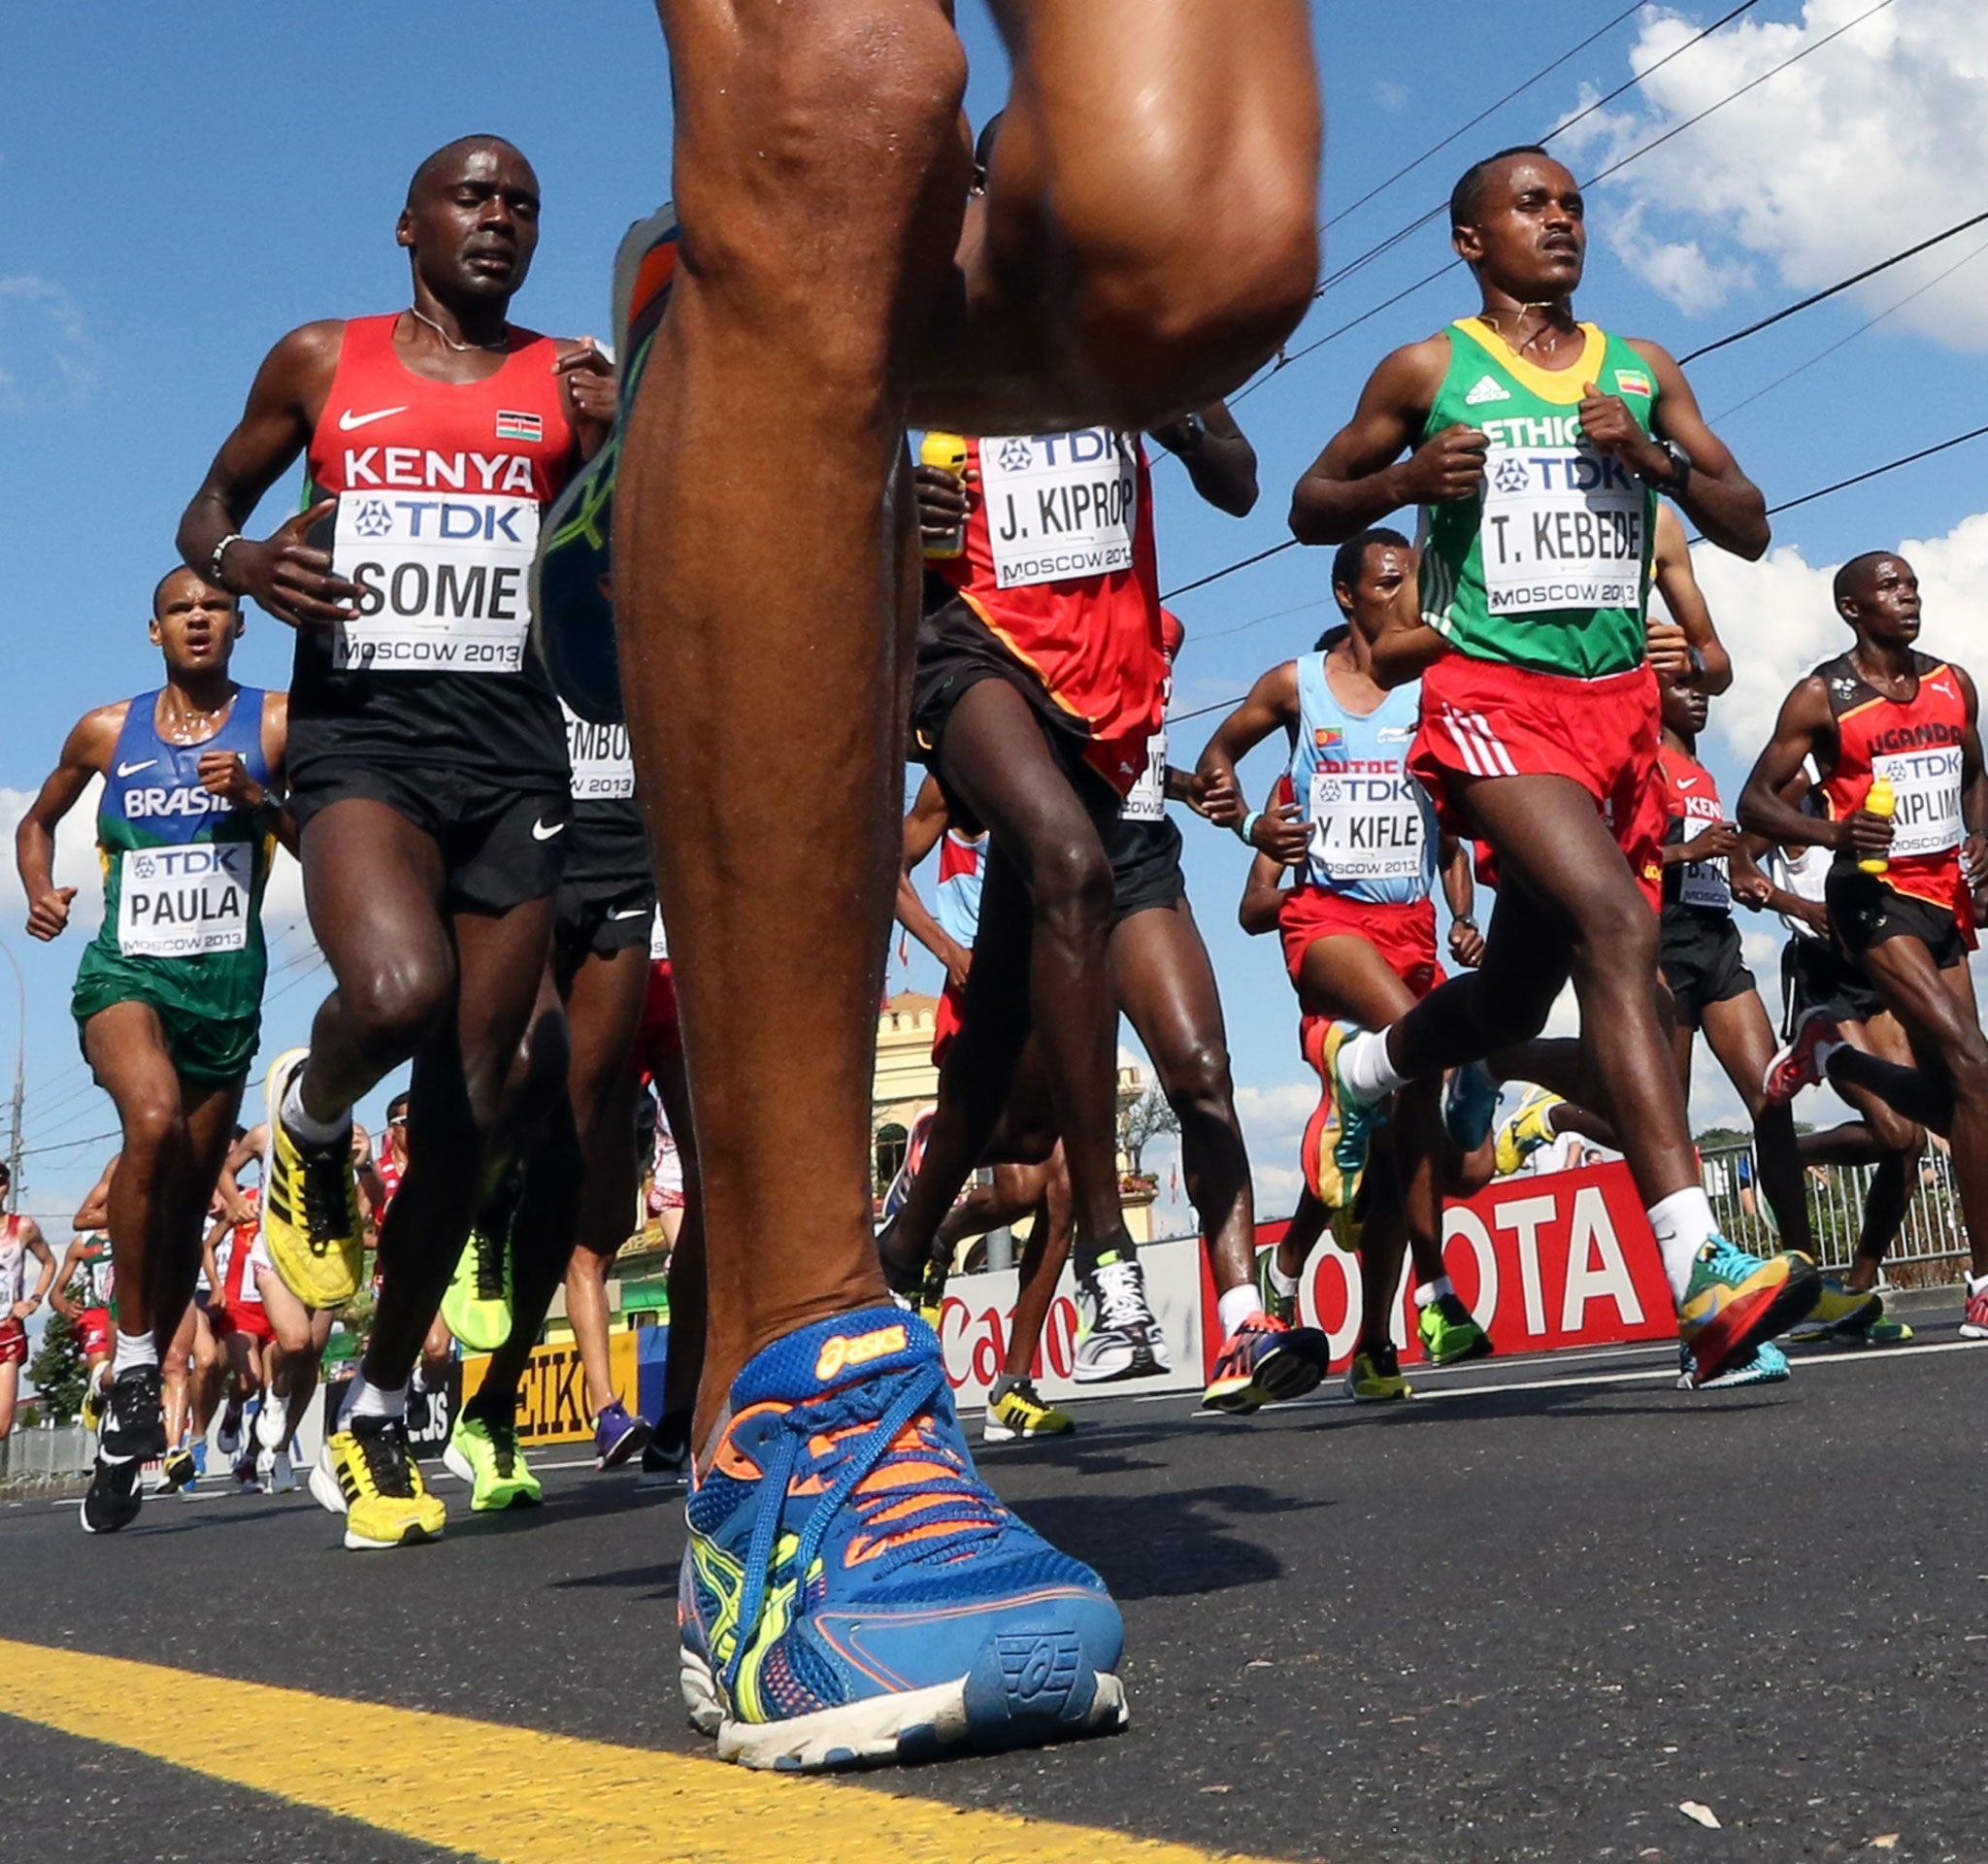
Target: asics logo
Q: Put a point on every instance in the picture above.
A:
(840, 1351)
(132, 770)
(349, 421)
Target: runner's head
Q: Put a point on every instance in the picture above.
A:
(1515, 219)
(1369, 574)
(471, 222)
(194, 623)
(1172, 636)
(397, 1133)
(1878, 594)
(1684, 708)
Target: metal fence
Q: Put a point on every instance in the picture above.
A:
(46, 1455)
(1931, 1247)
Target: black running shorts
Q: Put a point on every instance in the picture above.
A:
(1146, 867)
(1816, 976)
(1702, 962)
(1865, 912)
(601, 918)
(499, 846)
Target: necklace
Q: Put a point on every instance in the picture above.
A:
(422, 316)
(186, 724)
(1491, 317)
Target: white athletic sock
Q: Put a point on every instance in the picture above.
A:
(1823, 1051)
(300, 1124)
(1683, 1223)
(1365, 1068)
(1284, 1284)
(370, 1401)
(1430, 1293)
(133, 1350)
(1236, 1307)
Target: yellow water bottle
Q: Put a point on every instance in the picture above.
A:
(1879, 800)
(948, 453)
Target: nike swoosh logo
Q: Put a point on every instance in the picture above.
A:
(349, 421)
(540, 832)
(633, 912)
(132, 770)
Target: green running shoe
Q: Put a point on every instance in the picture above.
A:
(1450, 1333)
(1841, 1312)
(1280, 1307)
(1376, 1377)
(475, 1306)
(486, 1456)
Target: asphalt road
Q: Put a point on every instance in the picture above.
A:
(1525, 1617)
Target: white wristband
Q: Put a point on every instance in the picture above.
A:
(213, 563)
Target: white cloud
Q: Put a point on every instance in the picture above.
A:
(1873, 141)
(47, 357)
(1777, 617)
(76, 860)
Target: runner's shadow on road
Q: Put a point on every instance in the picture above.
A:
(645, 1585)
(1169, 1545)
(1575, 1402)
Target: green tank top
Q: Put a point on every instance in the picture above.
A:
(184, 871)
(1550, 568)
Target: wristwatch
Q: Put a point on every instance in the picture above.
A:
(1679, 473)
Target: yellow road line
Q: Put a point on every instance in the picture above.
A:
(515, 1795)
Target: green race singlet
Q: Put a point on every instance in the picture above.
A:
(1549, 568)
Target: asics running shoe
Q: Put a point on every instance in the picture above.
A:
(133, 1434)
(1527, 1130)
(483, 1453)
(1798, 1063)
(1838, 1310)
(617, 1436)
(1266, 1361)
(1376, 1377)
(1769, 1366)
(1974, 1315)
(477, 1305)
(1735, 1301)
(854, 1593)
(573, 612)
(367, 1474)
(666, 1462)
(1469, 1106)
(1279, 1305)
(176, 1472)
(1334, 1149)
(1017, 1410)
(1449, 1332)
(1116, 1335)
(311, 1204)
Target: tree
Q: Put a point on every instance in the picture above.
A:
(1145, 1120)
(58, 1371)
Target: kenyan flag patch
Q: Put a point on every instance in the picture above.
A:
(1628, 381)
(512, 425)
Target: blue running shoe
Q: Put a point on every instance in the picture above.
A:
(854, 1593)
(1469, 1106)
(573, 608)
(617, 1436)
(1769, 1366)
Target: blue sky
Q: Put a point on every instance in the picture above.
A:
(179, 187)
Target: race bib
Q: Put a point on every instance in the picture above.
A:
(446, 580)
(1366, 826)
(1147, 800)
(1562, 526)
(1927, 785)
(180, 902)
(602, 771)
(1705, 883)
(1059, 505)
(658, 940)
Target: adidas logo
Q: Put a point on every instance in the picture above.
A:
(1488, 388)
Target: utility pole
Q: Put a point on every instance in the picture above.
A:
(14, 1184)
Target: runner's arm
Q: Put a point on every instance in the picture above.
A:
(1361, 476)
(1671, 643)
(95, 1209)
(1219, 459)
(1752, 887)
(1263, 896)
(1460, 895)
(286, 576)
(1805, 727)
(37, 1246)
(1973, 799)
(1716, 496)
(59, 1289)
(87, 753)
(924, 823)
(1272, 704)
(592, 386)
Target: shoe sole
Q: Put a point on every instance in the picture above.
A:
(1784, 1077)
(413, 1535)
(1969, 1331)
(325, 1491)
(1012, 1434)
(1481, 1348)
(1141, 1365)
(458, 1466)
(1281, 1375)
(632, 1441)
(127, 1512)
(1377, 1397)
(1738, 1329)
(1003, 1702)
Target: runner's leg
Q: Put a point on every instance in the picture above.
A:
(683, 1370)
(1881, 1137)
(1041, 1260)
(1166, 986)
(1741, 1037)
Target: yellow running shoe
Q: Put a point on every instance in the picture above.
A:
(486, 1456)
(1526, 1131)
(1020, 1411)
(310, 1205)
(475, 1306)
(367, 1474)
(1376, 1377)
